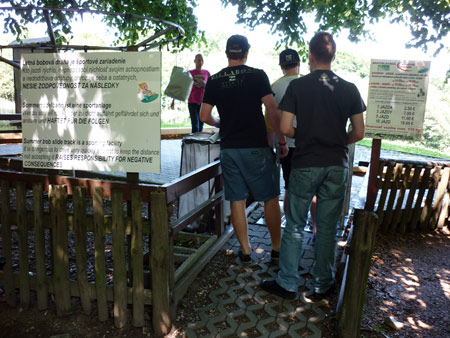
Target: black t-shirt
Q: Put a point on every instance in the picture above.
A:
(237, 93)
(322, 103)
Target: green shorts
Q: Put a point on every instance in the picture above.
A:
(250, 170)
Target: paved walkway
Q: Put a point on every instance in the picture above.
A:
(240, 308)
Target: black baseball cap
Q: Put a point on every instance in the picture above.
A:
(289, 56)
(237, 44)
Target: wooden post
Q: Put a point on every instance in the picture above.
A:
(159, 260)
(99, 254)
(425, 217)
(137, 259)
(39, 239)
(373, 170)
(398, 169)
(418, 206)
(80, 229)
(353, 289)
(441, 189)
(219, 226)
(118, 252)
(404, 180)
(58, 212)
(384, 191)
(22, 226)
(10, 291)
(407, 215)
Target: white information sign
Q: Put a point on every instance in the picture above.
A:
(92, 111)
(397, 97)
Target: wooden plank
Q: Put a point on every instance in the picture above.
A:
(445, 210)
(392, 196)
(384, 191)
(11, 138)
(437, 204)
(187, 182)
(39, 239)
(10, 292)
(137, 259)
(183, 284)
(219, 208)
(425, 217)
(71, 183)
(118, 253)
(99, 254)
(353, 289)
(159, 262)
(75, 292)
(180, 223)
(407, 215)
(404, 178)
(22, 235)
(80, 236)
(418, 205)
(58, 211)
(188, 263)
(107, 221)
(374, 165)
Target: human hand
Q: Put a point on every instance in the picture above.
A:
(283, 150)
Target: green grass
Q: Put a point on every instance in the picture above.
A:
(404, 147)
(175, 125)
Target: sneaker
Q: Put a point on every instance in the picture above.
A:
(245, 258)
(330, 292)
(272, 286)
(275, 256)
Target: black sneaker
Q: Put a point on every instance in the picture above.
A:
(245, 258)
(273, 287)
(275, 256)
(330, 292)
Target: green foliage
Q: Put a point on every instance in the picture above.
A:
(350, 64)
(6, 76)
(129, 29)
(429, 21)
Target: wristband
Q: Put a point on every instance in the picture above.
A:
(282, 144)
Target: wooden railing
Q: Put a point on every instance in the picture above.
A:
(43, 211)
(411, 196)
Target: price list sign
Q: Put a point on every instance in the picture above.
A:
(397, 98)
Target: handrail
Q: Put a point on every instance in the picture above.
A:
(145, 44)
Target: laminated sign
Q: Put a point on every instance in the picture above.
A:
(397, 97)
(92, 111)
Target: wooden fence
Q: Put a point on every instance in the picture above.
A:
(42, 213)
(412, 195)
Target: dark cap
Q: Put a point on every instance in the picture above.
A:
(237, 44)
(289, 56)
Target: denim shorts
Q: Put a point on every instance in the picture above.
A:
(250, 170)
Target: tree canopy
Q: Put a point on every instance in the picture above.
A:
(129, 29)
(429, 21)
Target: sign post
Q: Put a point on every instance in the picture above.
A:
(395, 108)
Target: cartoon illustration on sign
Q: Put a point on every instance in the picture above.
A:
(149, 96)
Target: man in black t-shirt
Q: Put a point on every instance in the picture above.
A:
(322, 103)
(248, 164)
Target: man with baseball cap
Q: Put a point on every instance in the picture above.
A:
(248, 164)
(290, 66)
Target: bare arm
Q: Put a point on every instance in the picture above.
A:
(286, 126)
(273, 115)
(357, 132)
(207, 117)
